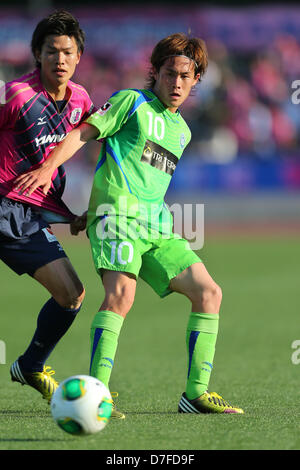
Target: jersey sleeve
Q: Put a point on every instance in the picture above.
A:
(114, 113)
(89, 108)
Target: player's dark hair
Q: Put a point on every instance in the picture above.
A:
(59, 23)
(179, 44)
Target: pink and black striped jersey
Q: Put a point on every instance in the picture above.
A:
(31, 125)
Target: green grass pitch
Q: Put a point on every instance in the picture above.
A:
(253, 365)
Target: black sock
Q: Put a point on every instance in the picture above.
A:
(52, 323)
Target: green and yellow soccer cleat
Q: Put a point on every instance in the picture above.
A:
(207, 403)
(43, 381)
(115, 413)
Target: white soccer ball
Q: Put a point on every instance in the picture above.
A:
(81, 405)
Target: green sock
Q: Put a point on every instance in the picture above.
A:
(105, 332)
(201, 339)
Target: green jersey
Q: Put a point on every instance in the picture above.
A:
(142, 143)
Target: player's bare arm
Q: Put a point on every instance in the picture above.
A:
(41, 176)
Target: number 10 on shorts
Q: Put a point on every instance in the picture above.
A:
(119, 253)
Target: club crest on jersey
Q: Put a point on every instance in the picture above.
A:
(75, 115)
(104, 108)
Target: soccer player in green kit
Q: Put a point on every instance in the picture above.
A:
(128, 224)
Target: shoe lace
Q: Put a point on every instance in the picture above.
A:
(221, 400)
(114, 395)
(48, 372)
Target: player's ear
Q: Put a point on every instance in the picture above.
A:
(37, 55)
(79, 54)
(196, 78)
(154, 72)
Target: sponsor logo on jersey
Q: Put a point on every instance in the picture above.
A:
(75, 115)
(159, 157)
(41, 121)
(104, 108)
(49, 139)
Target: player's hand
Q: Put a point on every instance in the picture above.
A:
(78, 224)
(39, 178)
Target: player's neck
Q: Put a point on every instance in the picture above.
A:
(172, 109)
(56, 91)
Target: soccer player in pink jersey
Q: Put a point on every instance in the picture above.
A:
(38, 112)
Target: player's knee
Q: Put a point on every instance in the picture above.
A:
(122, 305)
(78, 299)
(71, 299)
(207, 299)
(119, 303)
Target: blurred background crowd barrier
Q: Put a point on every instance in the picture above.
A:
(244, 121)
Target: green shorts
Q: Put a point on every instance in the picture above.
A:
(154, 257)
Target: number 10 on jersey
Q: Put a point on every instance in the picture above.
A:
(156, 126)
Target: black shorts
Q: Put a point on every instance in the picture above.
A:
(26, 241)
